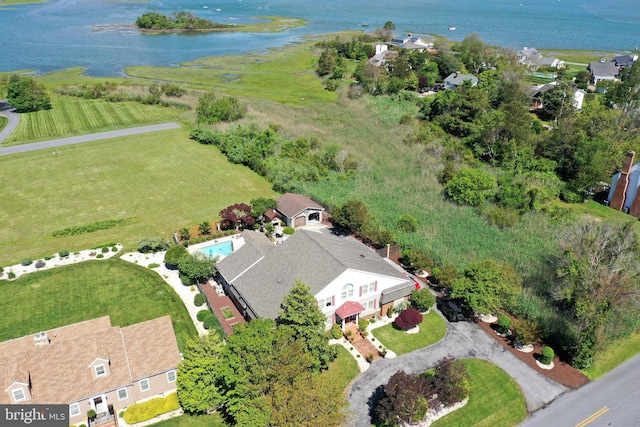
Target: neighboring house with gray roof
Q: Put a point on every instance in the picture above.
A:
(530, 57)
(601, 70)
(457, 79)
(624, 61)
(91, 365)
(382, 56)
(410, 42)
(298, 210)
(348, 279)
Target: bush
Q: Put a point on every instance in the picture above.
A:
(547, 355)
(26, 261)
(336, 331)
(152, 244)
(409, 318)
(105, 249)
(186, 280)
(390, 312)
(362, 324)
(407, 223)
(99, 256)
(91, 414)
(47, 258)
(114, 249)
(502, 217)
(210, 322)
(203, 314)
(151, 408)
(63, 253)
(199, 300)
(152, 265)
(526, 331)
(11, 275)
(422, 299)
(471, 187)
(212, 110)
(288, 230)
(504, 323)
(40, 264)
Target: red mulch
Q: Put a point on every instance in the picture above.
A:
(562, 372)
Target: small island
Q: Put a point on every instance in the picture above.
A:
(178, 21)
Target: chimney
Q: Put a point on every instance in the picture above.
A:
(380, 48)
(617, 201)
(457, 73)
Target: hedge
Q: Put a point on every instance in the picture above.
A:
(151, 408)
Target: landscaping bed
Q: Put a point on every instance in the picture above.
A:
(562, 372)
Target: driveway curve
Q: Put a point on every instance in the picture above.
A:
(14, 118)
(54, 143)
(463, 340)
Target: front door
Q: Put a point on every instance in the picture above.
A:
(100, 403)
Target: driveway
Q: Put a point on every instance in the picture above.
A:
(55, 143)
(463, 340)
(14, 118)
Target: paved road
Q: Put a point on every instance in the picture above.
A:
(14, 118)
(615, 396)
(463, 340)
(54, 143)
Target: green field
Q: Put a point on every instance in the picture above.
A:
(432, 330)
(76, 116)
(344, 369)
(60, 296)
(615, 355)
(496, 399)
(164, 179)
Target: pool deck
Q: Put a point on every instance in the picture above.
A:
(237, 239)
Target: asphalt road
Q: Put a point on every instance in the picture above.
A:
(55, 143)
(14, 118)
(463, 340)
(612, 400)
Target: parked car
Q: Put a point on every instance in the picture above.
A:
(451, 309)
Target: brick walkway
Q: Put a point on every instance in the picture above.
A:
(218, 302)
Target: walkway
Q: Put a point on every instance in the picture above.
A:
(14, 118)
(55, 143)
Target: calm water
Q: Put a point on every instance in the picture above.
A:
(61, 33)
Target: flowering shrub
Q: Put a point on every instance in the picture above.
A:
(408, 319)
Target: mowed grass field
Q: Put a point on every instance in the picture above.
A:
(128, 293)
(164, 180)
(76, 116)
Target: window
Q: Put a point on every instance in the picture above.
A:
(74, 409)
(18, 395)
(144, 384)
(100, 371)
(122, 394)
(325, 302)
(347, 291)
(367, 289)
(171, 376)
(369, 305)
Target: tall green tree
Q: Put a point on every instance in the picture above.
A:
(260, 205)
(26, 95)
(299, 313)
(196, 380)
(352, 215)
(198, 267)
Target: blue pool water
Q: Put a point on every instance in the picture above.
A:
(218, 250)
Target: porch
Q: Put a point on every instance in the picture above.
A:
(105, 419)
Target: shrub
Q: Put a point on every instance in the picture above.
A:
(336, 331)
(199, 300)
(26, 261)
(63, 253)
(105, 249)
(407, 223)
(372, 321)
(151, 408)
(152, 265)
(40, 264)
(1, 270)
(47, 258)
(390, 312)
(526, 331)
(210, 322)
(288, 230)
(186, 280)
(211, 109)
(369, 357)
(152, 244)
(99, 256)
(502, 217)
(91, 414)
(203, 314)
(362, 324)
(471, 186)
(422, 299)
(547, 355)
(409, 318)
(504, 323)
(11, 275)
(114, 249)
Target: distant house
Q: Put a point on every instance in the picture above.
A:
(348, 279)
(383, 54)
(91, 365)
(535, 92)
(602, 70)
(624, 61)
(457, 79)
(623, 193)
(297, 210)
(410, 42)
(534, 59)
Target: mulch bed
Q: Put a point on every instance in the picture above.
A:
(562, 372)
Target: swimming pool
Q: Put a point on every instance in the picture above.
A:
(218, 250)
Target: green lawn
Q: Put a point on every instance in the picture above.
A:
(432, 330)
(3, 122)
(344, 369)
(213, 420)
(76, 116)
(163, 179)
(60, 296)
(496, 399)
(615, 355)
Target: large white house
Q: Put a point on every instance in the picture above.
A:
(348, 279)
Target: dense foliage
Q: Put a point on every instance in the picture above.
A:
(422, 299)
(152, 244)
(236, 216)
(174, 254)
(26, 95)
(176, 21)
(197, 267)
(212, 109)
(408, 319)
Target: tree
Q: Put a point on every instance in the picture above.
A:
(598, 276)
(487, 286)
(451, 382)
(408, 319)
(403, 400)
(196, 380)
(299, 312)
(198, 267)
(260, 205)
(174, 254)
(326, 62)
(352, 215)
(205, 227)
(26, 95)
(422, 299)
(471, 186)
(237, 216)
(184, 233)
(212, 109)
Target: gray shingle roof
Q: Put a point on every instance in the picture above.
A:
(255, 247)
(458, 79)
(603, 69)
(314, 258)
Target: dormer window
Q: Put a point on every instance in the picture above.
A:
(100, 370)
(100, 367)
(18, 395)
